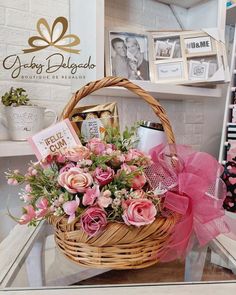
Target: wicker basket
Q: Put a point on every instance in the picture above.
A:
(119, 246)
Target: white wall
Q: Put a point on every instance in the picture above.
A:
(197, 123)
(18, 20)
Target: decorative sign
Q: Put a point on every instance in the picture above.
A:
(57, 65)
(54, 139)
(198, 70)
(92, 128)
(198, 45)
(170, 70)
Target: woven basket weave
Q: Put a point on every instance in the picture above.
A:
(119, 246)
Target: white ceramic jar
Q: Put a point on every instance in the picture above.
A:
(150, 135)
(24, 121)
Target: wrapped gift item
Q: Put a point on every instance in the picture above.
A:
(93, 120)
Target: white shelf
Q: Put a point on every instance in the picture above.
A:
(182, 3)
(15, 148)
(164, 91)
(231, 15)
(228, 247)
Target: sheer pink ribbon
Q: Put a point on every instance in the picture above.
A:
(197, 194)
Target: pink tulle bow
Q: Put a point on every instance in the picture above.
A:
(194, 190)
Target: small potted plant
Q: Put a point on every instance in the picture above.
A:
(23, 119)
(15, 97)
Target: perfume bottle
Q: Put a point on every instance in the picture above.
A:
(150, 135)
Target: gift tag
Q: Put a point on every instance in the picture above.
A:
(54, 139)
(92, 128)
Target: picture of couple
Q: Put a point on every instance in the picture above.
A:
(128, 54)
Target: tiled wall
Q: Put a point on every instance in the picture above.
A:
(139, 14)
(18, 20)
(197, 123)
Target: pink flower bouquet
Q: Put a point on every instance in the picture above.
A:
(112, 181)
(96, 183)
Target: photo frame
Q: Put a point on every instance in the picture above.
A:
(127, 55)
(164, 49)
(198, 70)
(187, 57)
(170, 70)
(201, 44)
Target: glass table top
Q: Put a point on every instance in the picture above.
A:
(40, 263)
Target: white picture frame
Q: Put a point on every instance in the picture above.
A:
(127, 55)
(198, 70)
(195, 45)
(169, 70)
(164, 49)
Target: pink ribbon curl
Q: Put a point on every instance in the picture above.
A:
(195, 191)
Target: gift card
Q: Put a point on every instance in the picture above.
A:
(54, 139)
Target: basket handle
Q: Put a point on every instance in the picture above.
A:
(121, 82)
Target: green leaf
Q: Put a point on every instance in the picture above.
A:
(15, 97)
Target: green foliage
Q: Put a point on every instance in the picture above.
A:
(123, 141)
(15, 97)
(100, 161)
(123, 180)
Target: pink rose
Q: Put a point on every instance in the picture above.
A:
(67, 167)
(28, 216)
(102, 176)
(74, 180)
(77, 154)
(139, 180)
(133, 154)
(93, 220)
(138, 157)
(91, 194)
(139, 212)
(70, 208)
(96, 146)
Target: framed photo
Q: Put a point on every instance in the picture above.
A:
(127, 55)
(169, 70)
(164, 49)
(201, 44)
(187, 57)
(198, 70)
